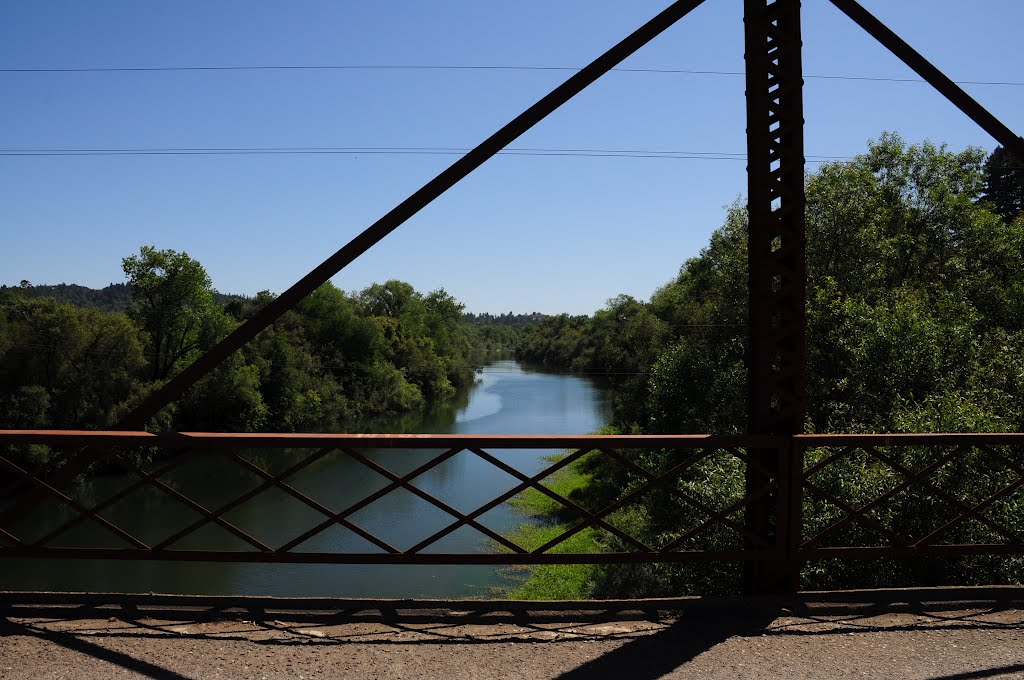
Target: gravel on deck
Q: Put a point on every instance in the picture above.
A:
(796, 638)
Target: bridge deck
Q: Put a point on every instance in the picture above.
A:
(951, 633)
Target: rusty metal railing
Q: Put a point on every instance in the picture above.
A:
(680, 463)
(849, 496)
(910, 495)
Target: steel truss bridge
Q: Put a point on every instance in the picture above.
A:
(762, 523)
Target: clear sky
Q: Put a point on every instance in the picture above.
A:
(522, 233)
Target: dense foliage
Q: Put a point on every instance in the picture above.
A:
(915, 312)
(333, 361)
(499, 332)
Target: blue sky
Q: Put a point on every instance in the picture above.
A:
(522, 233)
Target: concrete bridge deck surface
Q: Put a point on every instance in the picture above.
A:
(956, 634)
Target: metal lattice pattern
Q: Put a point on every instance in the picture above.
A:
(710, 520)
(853, 496)
(913, 495)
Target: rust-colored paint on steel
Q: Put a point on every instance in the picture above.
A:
(524, 441)
(45, 490)
(937, 492)
(973, 512)
(110, 501)
(775, 208)
(936, 78)
(381, 441)
(495, 502)
(433, 500)
(589, 518)
(405, 210)
(341, 517)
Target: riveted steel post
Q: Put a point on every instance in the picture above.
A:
(775, 256)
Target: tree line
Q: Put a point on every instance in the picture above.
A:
(334, 360)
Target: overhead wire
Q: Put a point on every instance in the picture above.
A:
(355, 151)
(458, 67)
(449, 151)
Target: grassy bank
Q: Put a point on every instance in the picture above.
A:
(548, 519)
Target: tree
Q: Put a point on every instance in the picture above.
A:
(1004, 184)
(64, 366)
(172, 302)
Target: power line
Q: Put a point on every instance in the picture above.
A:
(455, 67)
(400, 151)
(355, 151)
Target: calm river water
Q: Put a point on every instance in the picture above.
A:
(507, 399)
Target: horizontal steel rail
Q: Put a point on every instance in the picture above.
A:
(377, 441)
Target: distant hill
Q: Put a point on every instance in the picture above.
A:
(117, 297)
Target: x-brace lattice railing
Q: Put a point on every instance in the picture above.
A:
(681, 455)
(925, 488)
(899, 498)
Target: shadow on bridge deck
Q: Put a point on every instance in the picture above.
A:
(927, 633)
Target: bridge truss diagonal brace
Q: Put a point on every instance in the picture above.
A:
(1012, 142)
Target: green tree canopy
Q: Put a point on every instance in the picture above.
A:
(1004, 184)
(172, 301)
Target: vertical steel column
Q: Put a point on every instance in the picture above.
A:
(775, 256)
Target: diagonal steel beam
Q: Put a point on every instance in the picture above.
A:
(433, 500)
(202, 366)
(973, 513)
(340, 517)
(668, 484)
(936, 78)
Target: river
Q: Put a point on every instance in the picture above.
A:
(508, 398)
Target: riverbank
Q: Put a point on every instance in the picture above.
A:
(546, 520)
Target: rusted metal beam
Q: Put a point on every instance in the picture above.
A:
(202, 440)
(521, 441)
(936, 78)
(202, 366)
(777, 273)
